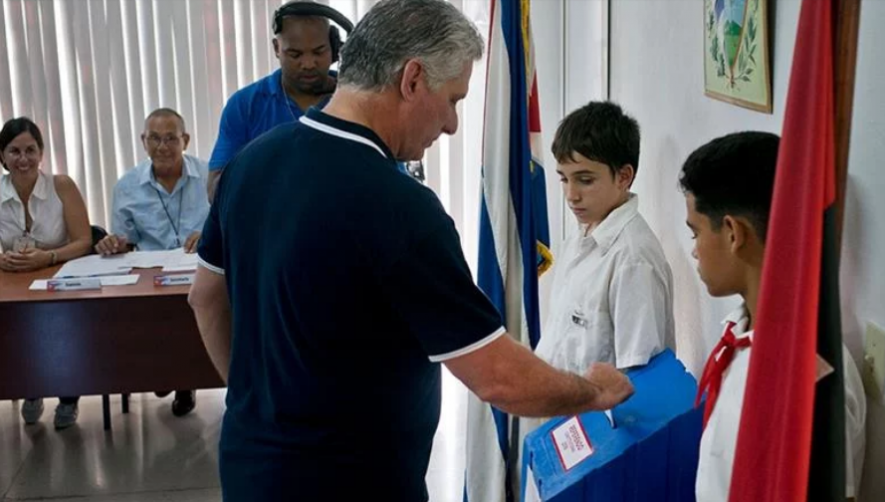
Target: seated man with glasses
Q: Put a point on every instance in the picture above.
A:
(161, 203)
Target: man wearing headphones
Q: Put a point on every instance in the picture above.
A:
(306, 45)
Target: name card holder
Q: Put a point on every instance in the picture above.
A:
(173, 280)
(73, 284)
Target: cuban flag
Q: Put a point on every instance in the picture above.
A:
(513, 237)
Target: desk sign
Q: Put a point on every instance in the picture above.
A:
(571, 443)
(173, 280)
(76, 284)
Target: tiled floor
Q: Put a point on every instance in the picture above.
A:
(151, 456)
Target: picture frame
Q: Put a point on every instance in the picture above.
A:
(737, 66)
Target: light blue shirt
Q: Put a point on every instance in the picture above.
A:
(154, 219)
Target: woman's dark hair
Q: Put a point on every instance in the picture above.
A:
(12, 128)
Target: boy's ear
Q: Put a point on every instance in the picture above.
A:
(624, 177)
(737, 232)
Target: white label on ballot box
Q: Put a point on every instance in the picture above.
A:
(73, 284)
(571, 443)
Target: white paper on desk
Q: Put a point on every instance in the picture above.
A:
(94, 266)
(172, 260)
(179, 261)
(110, 280)
(146, 259)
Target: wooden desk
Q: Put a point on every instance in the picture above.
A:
(119, 339)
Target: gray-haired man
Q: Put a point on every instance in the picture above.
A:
(331, 284)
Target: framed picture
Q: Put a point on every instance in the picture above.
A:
(736, 53)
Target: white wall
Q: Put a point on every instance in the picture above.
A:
(547, 32)
(657, 75)
(570, 49)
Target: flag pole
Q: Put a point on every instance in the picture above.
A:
(847, 20)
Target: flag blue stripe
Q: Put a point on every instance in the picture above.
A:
(488, 275)
(520, 160)
(529, 206)
(492, 283)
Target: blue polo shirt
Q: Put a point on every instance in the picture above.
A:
(251, 112)
(347, 286)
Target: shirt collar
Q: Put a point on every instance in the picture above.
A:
(275, 88)
(328, 124)
(40, 189)
(7, 190)
(146, 172)
(611, 227)
(274, 84)
(740, 317)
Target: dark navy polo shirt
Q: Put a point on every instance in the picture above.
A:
(347, 285)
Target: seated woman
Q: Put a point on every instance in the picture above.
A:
(42, 222)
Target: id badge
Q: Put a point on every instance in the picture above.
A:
(23, 243)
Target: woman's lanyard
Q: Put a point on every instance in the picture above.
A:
(175, 228)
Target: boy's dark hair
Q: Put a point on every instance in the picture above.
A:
(13, 127)
(733, 175)
(601, 132)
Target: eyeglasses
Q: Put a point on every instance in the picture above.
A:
(155, 141)
(31, 152)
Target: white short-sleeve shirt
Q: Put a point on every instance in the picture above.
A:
(719, 440)
(48, 226)
(612, 296)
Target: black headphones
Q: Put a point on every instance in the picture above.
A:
(308, 8)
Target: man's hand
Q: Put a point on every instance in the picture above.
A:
(26, 261)
(112, 244)
(507, 375)
(613, 387)
(4, 263)
(190, 245)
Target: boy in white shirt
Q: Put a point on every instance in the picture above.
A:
(728, 185)
(612, 297)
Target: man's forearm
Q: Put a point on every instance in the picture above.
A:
(539, 390)
(510, 377)
(214, 326)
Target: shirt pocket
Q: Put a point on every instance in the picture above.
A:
(149, 220)
(587, 338)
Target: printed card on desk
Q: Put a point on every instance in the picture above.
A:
(111, 280)
(73, 284)
(174, 280)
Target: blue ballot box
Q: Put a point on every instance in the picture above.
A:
(650, 454)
